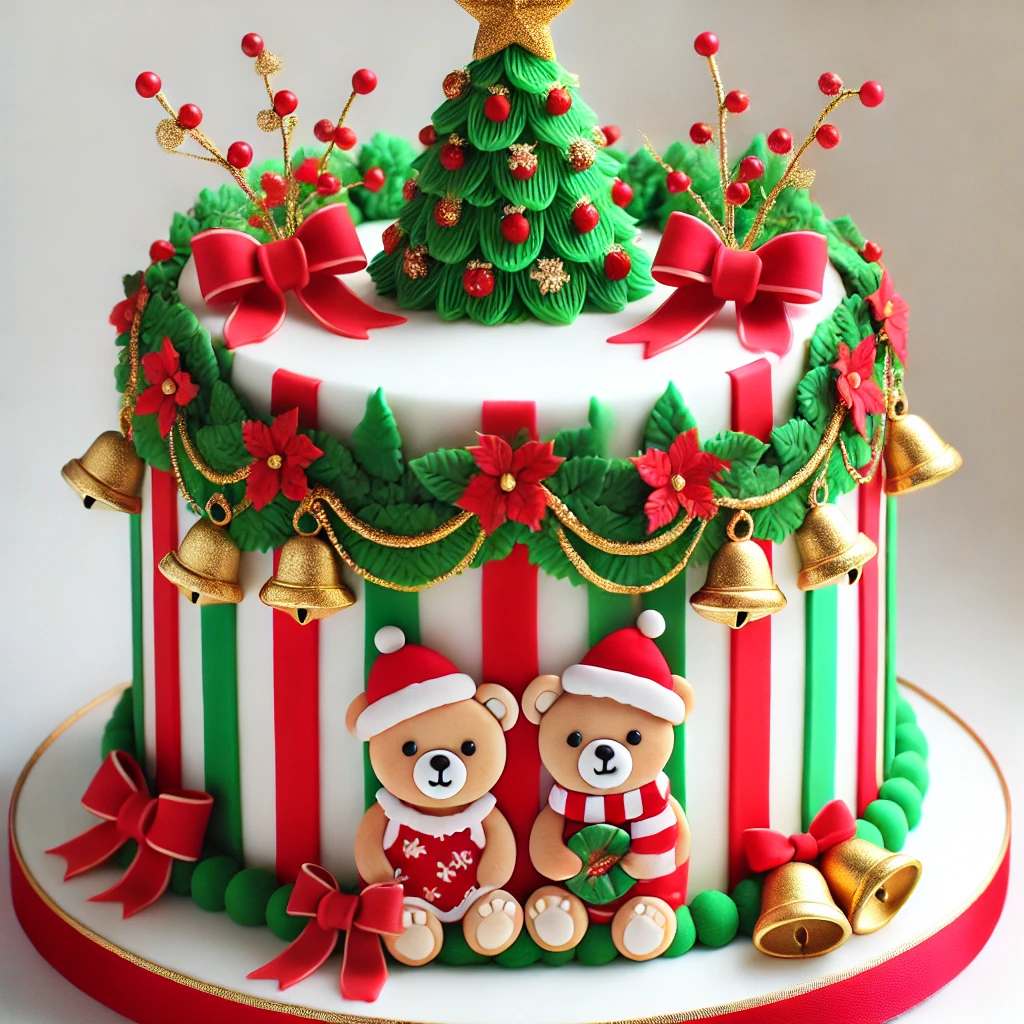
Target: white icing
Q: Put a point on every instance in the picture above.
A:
(847, 678)
(190, 651)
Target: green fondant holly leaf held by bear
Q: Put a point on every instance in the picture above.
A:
(601, 879)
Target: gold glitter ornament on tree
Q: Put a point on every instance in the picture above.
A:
(414, 263)
(522, 161)
(550, 275)
(526, 23)
(455, 84)
(448, 211)
(582, 154)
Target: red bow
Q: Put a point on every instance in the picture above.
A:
(376, 911)
(167, 828)
(767, 849)
(707, 274)
(233, 267)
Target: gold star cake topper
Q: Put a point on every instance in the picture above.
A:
(504, 22)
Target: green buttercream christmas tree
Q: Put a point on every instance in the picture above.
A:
(514, 211)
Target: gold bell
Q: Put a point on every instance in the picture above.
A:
(915, 456)
(869, 884)
(110, 473)
(831, 549)
(307, 585)
(739, 587)
(798, 916)
(205, 567)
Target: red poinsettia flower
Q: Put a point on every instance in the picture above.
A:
(892, 311)
(171, 387)
(508, 485)
(681, 478)
(282, 456)
(856, 384)
(122, 315)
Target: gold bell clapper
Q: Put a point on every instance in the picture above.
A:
(915, 456)
(739, 587)
(109, 474)
(798, 918)
(869, 884)
(307, 585)
(205, 566)
(831, 549)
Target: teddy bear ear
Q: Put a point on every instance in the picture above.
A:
(355, 709)
(540, 695)
(500, 703)
(686, 691)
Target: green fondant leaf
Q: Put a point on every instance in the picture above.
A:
(454, 244)
(530, 73)
(338, 470)
(569, 243)
(589, 440)
(225, 408)
(639, 283)
(264, 530)
(561, 307)
(669, 418)
(488, 71)
(847, 324)
(452, 115)
(384, 270)
(499, 544)
(562, 130)
(607, 296)
(420, 292)
(492, 136)
(501, 252)
(222, 447)
(437, 180)
(494, 308)
(376, 442)
(151, 447)
(535, 193)
(451, 296)
(814, 399)
(445, 473)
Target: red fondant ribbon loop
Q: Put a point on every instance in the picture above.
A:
(707, 274)
(767, 849)
(377, 910)
(234, 269)
(167, 828)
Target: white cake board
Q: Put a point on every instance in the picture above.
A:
(175, 962)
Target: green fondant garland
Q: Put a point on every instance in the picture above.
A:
(248, 894)
(716, 918)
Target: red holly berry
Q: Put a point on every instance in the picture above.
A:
(677, 181)
(373, 179)
(410, 190)
(617, 265)
(872, 94)
(497, 108)
(161, 250)
(274, 184)
(327, 185)
(585, 216)
(452, 156)
(364, 81)
(559, 102)
(751, 168)
(252, 44)
(428, 135)
(706, 44)
(344, 137)
(190, 116)
(308, 171)
(478, 280)
(285, 101)
(737, 101)
(148, 84)
(239, 154)
(780, 141)
(701, 133)
(622, 193)
(830, 84)
(323, 131)
(737, 193)
(828, 136)
(515, 227)
(872, 252)
(255, 221)
(612, 133)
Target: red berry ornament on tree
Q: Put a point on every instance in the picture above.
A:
(497, 106)
(478, 280)
(410, 190)
(612, 133)
(454, 84)
(428, 135)
(585, 216)
(345, 138)
(828, 136)
(148, 84)
(160, 251)
(751, 168)
(706, 44)
(328, 185)
(285, 102)
(373, 179)
(830, 84)
(514, 226)
(737, 102)
(323, 130)
(617, 264)
(452, 154)
(392, 238)
(701, 133)
(780, 141)
(522, 162)
(190, 116)
(364, 81)
(558, 102)
(622, 193)
(737, 193)
(872, 252)
(239, 154)
(677, 181)
(448, 211)
(252, 44)
(871, 94)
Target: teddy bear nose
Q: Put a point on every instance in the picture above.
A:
(604, 752)
(439, 762)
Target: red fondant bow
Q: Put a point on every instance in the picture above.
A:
(767, 849)
(707, 274)
(376, 911)
(233, 267)
(167, 828)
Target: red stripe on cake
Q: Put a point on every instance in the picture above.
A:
(750, 661)
(869, 499)
(166, 653)
(296, 689)
(510, 658)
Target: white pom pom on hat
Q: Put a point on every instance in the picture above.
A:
(651, 623)
(389, 639)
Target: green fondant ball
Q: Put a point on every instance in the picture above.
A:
(869, 833)
(556, 959)
(210, 882)
(279, 921)
(456, 951)
(911, 765)
(118, 738)
(126, 854)
(248, 895)
(523, 952)
(904, 711)
(716, 918)
(910, 737)
(889, 819)
(907, 795)
(596, 947)
(747, 897)
(686, 934)
(181, 877)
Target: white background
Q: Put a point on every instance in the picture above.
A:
(933, 175)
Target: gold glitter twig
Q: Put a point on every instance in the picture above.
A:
(718, 228)
(131, 390)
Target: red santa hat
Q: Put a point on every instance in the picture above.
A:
(628, 667)
(406, 680)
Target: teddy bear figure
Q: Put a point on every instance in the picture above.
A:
(606, 733)
(437, 745)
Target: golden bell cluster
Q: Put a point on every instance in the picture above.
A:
(307, 584)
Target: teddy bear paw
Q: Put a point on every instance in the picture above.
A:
(420, 940)
(556, 920)
(493, 923)
(644, 929)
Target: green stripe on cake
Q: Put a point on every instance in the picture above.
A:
(607, 613)
(891, 632)
(138, 659)
(822, 625)
(384, 607)
(220, 726)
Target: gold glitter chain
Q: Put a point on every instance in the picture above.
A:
(220, 479)
(132, 387)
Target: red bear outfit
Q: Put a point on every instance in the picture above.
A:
(650, 820)
(436, 856)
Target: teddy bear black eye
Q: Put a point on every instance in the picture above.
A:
(574, 739)
(633, 737)
(469, 748)
(409, 748)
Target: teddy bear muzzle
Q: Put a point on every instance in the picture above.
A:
(439, 774)
(604, 764)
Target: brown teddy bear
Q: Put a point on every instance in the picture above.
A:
(437, 745)
(606, 733)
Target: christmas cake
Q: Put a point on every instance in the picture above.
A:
(459, 477)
